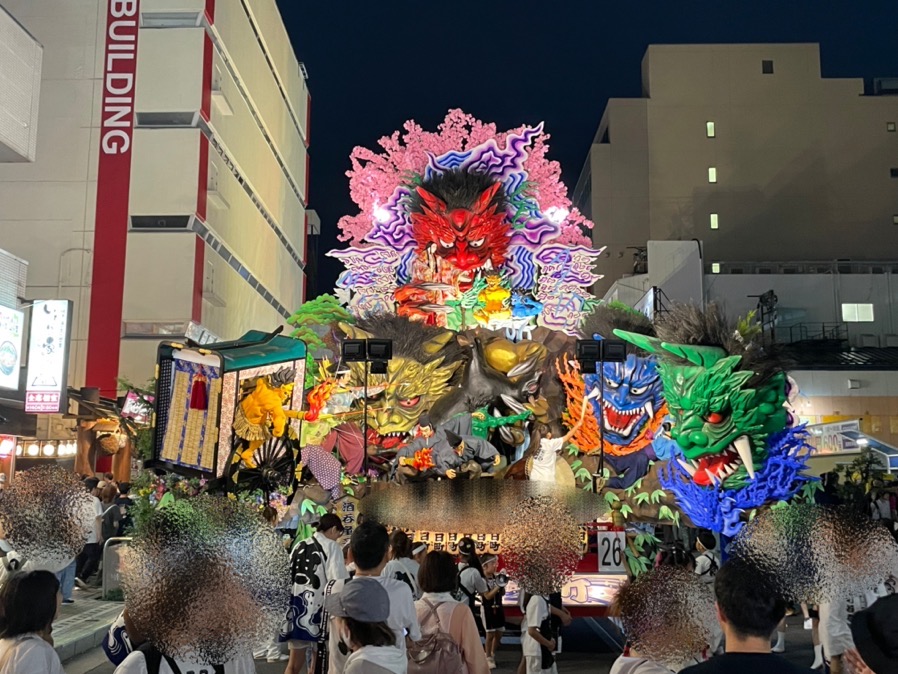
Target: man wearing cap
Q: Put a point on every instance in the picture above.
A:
(360, 613)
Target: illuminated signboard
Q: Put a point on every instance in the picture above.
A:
(48, 348)
(12, 327)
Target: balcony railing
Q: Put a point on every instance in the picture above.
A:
(807, 267)
(812, 332)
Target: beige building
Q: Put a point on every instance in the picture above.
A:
(170, 180)
(747, 149)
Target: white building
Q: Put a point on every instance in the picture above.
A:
(841, 320)
(171, 175)
(749, 150)
(20, 86)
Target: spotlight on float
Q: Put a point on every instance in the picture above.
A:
(377, 353)
(380, 351)
(592, 353)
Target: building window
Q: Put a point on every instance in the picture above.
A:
(709, 130)
(890, 127)
(712, 175)
(715, 267)
(857, 313)
(714, 221)
(893, 172)
(895, 219)
(767, 67)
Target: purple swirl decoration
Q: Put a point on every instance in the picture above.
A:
(519, 267)
(396, 232)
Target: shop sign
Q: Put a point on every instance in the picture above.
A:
(48, 349)
(12, 327)
(831, 438)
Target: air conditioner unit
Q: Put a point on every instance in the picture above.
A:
(891, 341)
(868, 340)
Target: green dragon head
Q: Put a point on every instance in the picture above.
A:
(723, 415)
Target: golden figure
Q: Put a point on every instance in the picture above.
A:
(261, 414)
(496, 300)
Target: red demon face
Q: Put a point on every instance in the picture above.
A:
(469, 238)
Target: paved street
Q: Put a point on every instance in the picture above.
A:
(594, 657)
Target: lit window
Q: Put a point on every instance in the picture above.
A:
(715, 267)
(767, 67)
(709, 129)
(890, 127)
(712, 175)
(857, 313)
(713, 220)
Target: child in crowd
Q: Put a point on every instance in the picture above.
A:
(537, 639)
(492, 611)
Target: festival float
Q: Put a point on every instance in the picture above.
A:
(441, 387)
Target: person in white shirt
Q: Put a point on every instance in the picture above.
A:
(706, 564)
(536, 645)
(401, 565)
(89, 560)
(359, 616)
(29, 602)
(315, 562)
(370, 544)
(548, 447)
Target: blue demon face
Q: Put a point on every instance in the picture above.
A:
(632, 395)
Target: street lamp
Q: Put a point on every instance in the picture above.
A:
(377, 353)
(592, 353)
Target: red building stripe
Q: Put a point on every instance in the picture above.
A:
(202, 187)
(113, 196)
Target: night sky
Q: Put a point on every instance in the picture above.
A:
(373, 65)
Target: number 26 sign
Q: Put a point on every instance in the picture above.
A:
(611, 552)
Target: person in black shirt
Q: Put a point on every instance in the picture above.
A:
(749, 609)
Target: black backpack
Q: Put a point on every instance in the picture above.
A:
(712, 569)
(153, 657)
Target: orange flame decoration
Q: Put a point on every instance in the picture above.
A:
(318, 397)
(423, 460)
(587, 437)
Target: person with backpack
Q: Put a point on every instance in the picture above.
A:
(360, 612)
(401, 565)
(451, 642)
(112, 512)
(370, 544)
(471, 578)
(314, 563)
(708, 560)
(538, 638)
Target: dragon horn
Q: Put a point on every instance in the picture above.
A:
(434, 203)
(705, 356)
(644, 342)
(485, 198)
